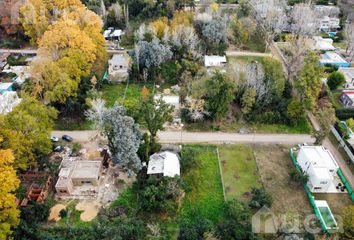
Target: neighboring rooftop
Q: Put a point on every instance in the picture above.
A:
(214, 61)
(348, 74)
(333, 58)
(319, 156)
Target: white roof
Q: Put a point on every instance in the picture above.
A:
(5, 86)
(109, 33)
(170, 99)
(8, 101)
(332, 57)
(348, 73)
(165, 162)
(117, 33)
(210, 61)
(319, 157)
(324, 44)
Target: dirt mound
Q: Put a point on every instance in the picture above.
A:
(89, 210)
(54, 212)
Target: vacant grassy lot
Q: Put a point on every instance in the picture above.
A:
(239, 171)
(274, 165)
(206, 194)
(115, 92)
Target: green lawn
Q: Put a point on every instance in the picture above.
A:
(206, 194)
(239, 170)
(113, 92)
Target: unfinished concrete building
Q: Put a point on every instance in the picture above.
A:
(37, 187)
(77, 174)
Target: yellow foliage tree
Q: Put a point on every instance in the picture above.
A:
(214, 7)
(160, 26)
(181, 18)
(9, 214)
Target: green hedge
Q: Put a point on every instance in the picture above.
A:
(345, 113)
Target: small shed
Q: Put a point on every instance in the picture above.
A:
(118, 67)
(214, 61)
(5, 87)
(165, 164)
(333, 58)
(319, 164)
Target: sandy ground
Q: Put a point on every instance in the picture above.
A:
(274, 164)
(90, 210)
(54, 212)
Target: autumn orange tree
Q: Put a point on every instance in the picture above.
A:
(9, 214)
(69, 49)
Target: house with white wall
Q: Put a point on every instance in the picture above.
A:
(321, 167)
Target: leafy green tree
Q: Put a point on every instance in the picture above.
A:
(326, 118)
(309, 84)
(31, 123)
(295, 109)
(237, 222)
(335, 79)
(248, 99)
(260, 198)
(124, 137)
(219, 95)
(348, 222)
(155, 113)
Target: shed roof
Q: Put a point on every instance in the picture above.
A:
(5, 86)
(319, 157)
(166, 163)
(332, 57)
(210, 61)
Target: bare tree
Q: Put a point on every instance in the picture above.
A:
(271, 16)
(349, 39)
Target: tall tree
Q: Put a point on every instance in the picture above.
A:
(348, 222)
(309, 84)
(248, 100)
(28, 125)
(9, 214)
(155, 113)
(123, 136)
(326, 118)
(219, 95)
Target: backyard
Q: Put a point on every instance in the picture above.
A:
(206, 194)
(239, 171)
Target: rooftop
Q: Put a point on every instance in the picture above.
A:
(86, 169)
(348, 73)
(319, 156)
(214, 60)
(332, 57)
(119, 59)
(164, 162)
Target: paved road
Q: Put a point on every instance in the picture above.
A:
(245, 53)
(207, 137)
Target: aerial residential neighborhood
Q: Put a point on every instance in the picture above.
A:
(176, 119)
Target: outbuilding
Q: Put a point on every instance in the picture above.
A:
(349, 76)
(214, 61)
(347, 98)
(164, 164)
(118, 67)
(5, 87)
(333, 58)
(319, 164)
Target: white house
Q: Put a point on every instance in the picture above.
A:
(214, 61)
(112, 34)
(118, 67)
(349, 76)
(328, 24)
(164, 163)
(323, 44)
(319, 164)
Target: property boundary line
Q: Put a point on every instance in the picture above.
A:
(221, 174)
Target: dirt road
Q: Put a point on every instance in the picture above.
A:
(206, 137)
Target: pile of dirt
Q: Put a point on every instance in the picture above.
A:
(89, 210)
(54, 212)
